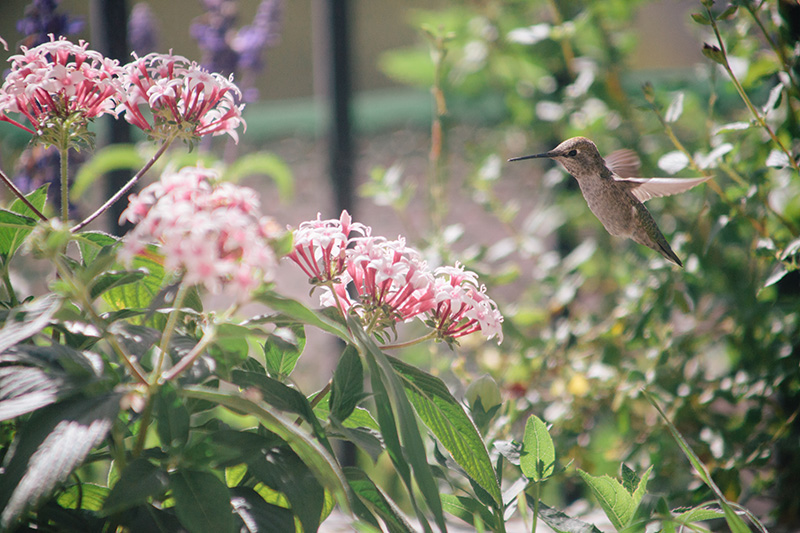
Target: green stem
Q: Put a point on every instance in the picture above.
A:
(64, 153)
(12, 296)
(172, 321)
(119, 194)
(535, 519)
(187, 360)
(412, 342)
(147, 416)
(743, 94)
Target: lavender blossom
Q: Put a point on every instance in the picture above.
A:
(41, 20)
(143, 30)
(231, 51)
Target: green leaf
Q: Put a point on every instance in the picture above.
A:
(90, 243)
(108, 280)
(18, 221)
(297, 312)
(140, 481)
(27, 320)
(698, 514)
(53, 442)
(618, 503)
(629, 479)
(347, 388)
(257, 515)
(86, 496)
(280, 396)
(32, 377)
(391, 401)
(202, 502)
(112, 157)
(468, 510)
(282, 350)
(172, 419)
(376, 501)
(282, 470)
(538, 459)
(446, 418)
(701, 19)
(267, 164)
(714, 54)
(559, 521)
(735, 523)
(319, 460)
(139, 295)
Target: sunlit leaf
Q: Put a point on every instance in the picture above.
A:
(538, 459)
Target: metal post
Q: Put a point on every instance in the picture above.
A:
(110, 37)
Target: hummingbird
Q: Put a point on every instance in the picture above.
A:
(614, 193)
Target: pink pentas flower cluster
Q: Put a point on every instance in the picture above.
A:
(209, 231)
(60, 83)
(56, 81)
(181, 96)
(385, 281)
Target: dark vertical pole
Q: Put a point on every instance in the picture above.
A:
(339, 95)
(110, 37)
(340, 140)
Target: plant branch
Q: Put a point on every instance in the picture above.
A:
(746, 99)
(63, 153)
(166, 336)
(19, 194)
(188, 359)
(127, 187)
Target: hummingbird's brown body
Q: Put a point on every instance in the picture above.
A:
(614, 195)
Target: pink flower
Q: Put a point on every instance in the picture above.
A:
(166, 94)
(319, 246)
(56, 81)
(210, 232)
(390, 282)
(462, 307)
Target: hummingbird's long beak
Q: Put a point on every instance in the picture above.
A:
(546, 154)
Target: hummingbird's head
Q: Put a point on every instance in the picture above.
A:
(578, 155)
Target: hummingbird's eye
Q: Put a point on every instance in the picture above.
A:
(572, 153)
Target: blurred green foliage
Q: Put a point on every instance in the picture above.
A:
(594, 320)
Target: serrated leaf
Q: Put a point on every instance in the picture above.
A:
(376, 501)
(699, 514)
(138, 482)
(347, 388)
(53, 442)
(451, 425)
(560, 522)
(282, 349)
(202, 502)
(319, 460)
(139, 295)
(266, 164)
(629, 478)
(538, 459)
(19, 214)
(27, 320)
(616, 502)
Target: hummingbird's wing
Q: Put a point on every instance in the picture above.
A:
(624, 163)
(645, 188)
